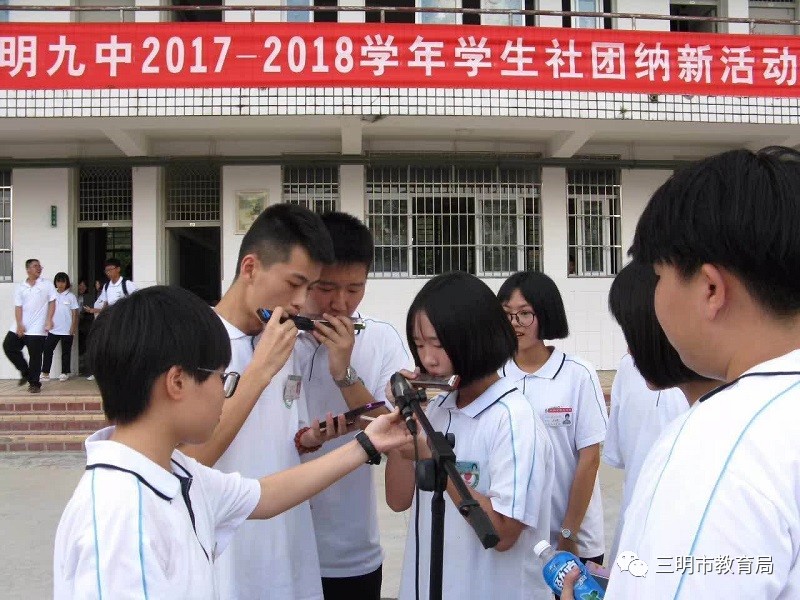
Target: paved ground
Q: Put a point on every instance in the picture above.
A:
(36, 486)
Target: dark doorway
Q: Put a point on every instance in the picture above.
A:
(95, 245)
(194, 260)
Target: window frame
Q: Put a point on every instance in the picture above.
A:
(405, 252)
(608, 248)
(7, 249)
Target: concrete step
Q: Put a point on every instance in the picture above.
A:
(58, 419)
(38, 442)
(67, 422)
(33, 403)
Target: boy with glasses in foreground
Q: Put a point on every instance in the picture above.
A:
(145, 519)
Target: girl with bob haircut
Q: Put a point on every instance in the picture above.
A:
(565, 392)
(456, 326)
(65, 326)
(652, 386)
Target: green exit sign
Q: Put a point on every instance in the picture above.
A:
(53, 215)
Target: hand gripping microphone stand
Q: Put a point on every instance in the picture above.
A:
(432, 476)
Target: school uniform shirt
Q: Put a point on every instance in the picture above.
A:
(638, 416)
(112, 292)
(127, 532)
(716, 509)
(34, 300)
(565, 392)
(345, 514)
(66, 302)
(277, 558)
(504, 453)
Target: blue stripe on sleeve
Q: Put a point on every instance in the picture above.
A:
(514, 454)
(141, 541)
(96, 546)
(722, 473)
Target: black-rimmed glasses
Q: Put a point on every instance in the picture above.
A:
(523, 317)
(230, 379)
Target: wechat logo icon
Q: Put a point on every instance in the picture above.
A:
(630, 562)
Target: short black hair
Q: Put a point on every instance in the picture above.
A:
(470, 323)
(142, 336)
(279, 229)
(631, 302)
(30, 261)
(352, 241)
(61, 276)
(542, 294)
(112, 262)
(739, 210)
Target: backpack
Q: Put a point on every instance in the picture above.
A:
(124, 287)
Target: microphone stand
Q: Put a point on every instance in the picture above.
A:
(432, 476)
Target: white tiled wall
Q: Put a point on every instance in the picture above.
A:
(395, 101)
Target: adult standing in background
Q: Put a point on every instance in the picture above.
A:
(86, 301)
(34, 306)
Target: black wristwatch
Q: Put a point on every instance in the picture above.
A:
(372, 452)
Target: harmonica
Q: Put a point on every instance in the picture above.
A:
(304, 323)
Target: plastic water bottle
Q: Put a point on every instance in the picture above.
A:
(556, 566)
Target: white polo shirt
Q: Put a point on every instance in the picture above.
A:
(716, 509)
(345, 514)
(277, 558)
(34, 300)
(112, 292)
(127, 531)
(503, 452)
(566, 394)
(638, 416)
(66, 302)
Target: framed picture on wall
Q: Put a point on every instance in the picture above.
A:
(249, 204)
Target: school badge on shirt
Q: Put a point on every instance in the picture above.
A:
(291, 390)
(558, 416)
(470, 472)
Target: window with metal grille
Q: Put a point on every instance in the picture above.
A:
(193, 192)
(317, 16)
(774, 9)
(593, 222)
(6, 265)
(105, 194)
(586, 22)
(316, 188)
(430, 220)
(103, 16)
(694, 8)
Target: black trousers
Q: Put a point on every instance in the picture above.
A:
(361, 587)
(50, 344)
(13, 346)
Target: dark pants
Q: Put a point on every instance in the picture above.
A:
(13, 346)
(361, 587)
(84, 324)
(50, 344)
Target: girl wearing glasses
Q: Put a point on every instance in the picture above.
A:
(565, 392)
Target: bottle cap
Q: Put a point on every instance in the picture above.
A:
(541, 547)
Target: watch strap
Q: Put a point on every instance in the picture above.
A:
(350, 378)
(372, 452)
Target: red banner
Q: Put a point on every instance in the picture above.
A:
(217, 55)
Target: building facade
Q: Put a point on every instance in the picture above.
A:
(487, 180)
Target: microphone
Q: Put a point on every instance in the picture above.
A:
(403, 392)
